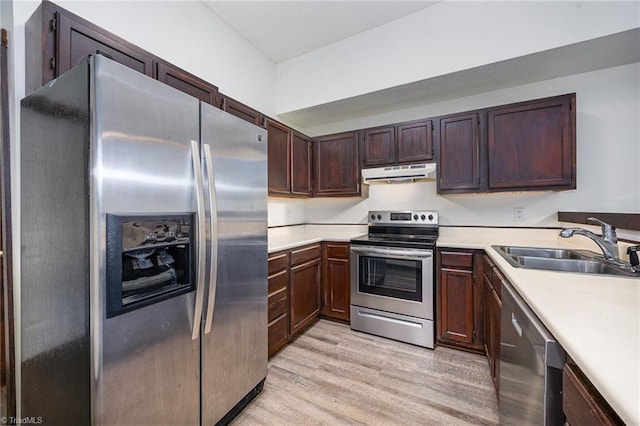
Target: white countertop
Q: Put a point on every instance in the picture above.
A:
(296, 236)
(595, 318)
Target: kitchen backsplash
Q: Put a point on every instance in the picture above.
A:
(539, 209)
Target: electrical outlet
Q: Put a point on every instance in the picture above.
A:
(518, 214)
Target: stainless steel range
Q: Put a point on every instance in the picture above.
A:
(392, 276)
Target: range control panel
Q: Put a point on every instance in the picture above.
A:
(406, 217)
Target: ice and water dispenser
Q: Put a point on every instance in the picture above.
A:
(149, 259)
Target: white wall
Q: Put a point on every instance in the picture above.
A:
(448, 37)
(285, 211)
(608, 154)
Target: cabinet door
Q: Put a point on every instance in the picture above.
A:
(531, 145)
(336, 165)
(456, 306)
(241, 110)
(493, 309)
(379, 147)
(415, 141)
(459, 149)
(301, 157)
(279, 160)
(486, 293)
(304, 295)
(336, 281)
(582, 404)
(495, 312)
(187, 83)
(76, 38)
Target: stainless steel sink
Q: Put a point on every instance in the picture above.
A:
(564, 260)
(547, 253)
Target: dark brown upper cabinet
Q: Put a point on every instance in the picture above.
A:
(532, 145)
(336, 165)
(400, 143)
(290, 161)
(517, 147)
(56, 39)
(185, 82)
(415, 141)
(459, 166)
(241, 110)
(301, 165)
(379, 148)
(279, 158)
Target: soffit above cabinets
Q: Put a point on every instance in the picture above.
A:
(286, 29)
(604, 52)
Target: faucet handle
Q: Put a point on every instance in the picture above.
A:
(608, 230)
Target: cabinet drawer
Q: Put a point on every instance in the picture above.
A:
(278, 281)
(305, 254)
(337, 250)
(277, 304)
(278, 262)
(456, 259)
(278, 333)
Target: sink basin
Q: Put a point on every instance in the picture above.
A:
(564, 260)
(547, 253)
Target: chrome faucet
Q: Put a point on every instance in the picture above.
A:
(608, 242)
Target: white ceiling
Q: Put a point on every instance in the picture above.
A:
(286, 29)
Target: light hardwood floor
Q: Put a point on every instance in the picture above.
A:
(332, 375)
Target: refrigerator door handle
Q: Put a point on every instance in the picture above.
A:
(201, 242)
(213, 226)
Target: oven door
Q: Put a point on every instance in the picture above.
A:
(397, 280)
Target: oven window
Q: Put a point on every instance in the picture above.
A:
(400, 279)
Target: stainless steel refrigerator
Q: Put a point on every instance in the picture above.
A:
(144, 253)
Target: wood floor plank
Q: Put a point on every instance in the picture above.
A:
(332, 375)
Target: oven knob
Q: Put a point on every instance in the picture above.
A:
(423, 217)
(379, 217)
(373, 217)
(430, 217)
(415, 217)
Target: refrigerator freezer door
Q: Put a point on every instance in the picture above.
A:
(145, 365)
(234, 352)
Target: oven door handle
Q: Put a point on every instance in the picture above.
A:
(393, 253)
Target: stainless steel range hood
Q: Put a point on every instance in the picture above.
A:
(400, 174)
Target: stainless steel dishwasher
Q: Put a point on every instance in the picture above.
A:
(531, 362)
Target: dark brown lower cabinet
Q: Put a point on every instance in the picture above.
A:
(305, 295)
(335, 281)
(491, 282)
(459, 301)
(581, 402)
(278, 304)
